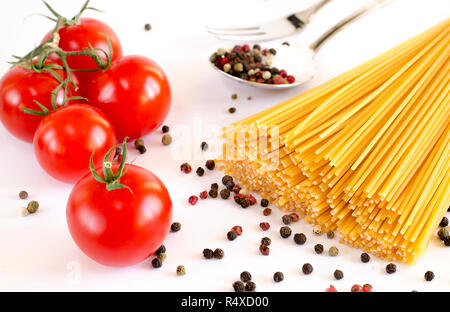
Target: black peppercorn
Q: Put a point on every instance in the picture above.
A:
(175, 227)
(330, 234)
(285, 231)
(429, 276)
(365, 257)
(156, 263)
(287, 219)
(210, 164)
(213, 193)
(307, 268)
(214, 186)
(338, 274)
(250, 286)
(447, 241)
(245, 203)
(161, 249)
(208, 253)
(23, 195)
(391, 268)
(266, 241)
(238, 286)
(300, 238)
(286, 43)
(232, 110)
(318, 249)
(165, 129)
(200, 171)
(225, 193)
(273, 51)
(226, 179)
(218, 253)
(147, 27)
(256, 47)
(246, 276)
(278, 277)
(444, 222)
(264, 202)
(231, 235)
(443, 233)
(230, 185)
(204, 146)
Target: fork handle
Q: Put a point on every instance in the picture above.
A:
(316, 45)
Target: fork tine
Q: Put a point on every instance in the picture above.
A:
(231, 29)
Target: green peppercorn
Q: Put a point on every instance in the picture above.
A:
(162, 256)
(238, 67)
(333, 251)
(33, 206)
(166, 139)
(181, 270)
(227, 67)
(443, 233)
(23, 195)
(140, 146)
(330, 234)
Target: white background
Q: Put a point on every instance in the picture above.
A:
(37, 252)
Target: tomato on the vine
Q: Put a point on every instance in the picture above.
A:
(19, 89)
(135, 95)
(66, 138)
(123, 222)
(85, 33)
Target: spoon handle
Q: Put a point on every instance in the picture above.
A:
(316, 45)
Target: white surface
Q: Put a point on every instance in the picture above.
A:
(37, 252)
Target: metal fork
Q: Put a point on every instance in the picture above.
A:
(271, 30)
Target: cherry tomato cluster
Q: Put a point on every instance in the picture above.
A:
(73, 97)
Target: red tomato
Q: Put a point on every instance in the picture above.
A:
(119, 227)
(78, 37)
(66, 138)
(19, 88)
(135, 95)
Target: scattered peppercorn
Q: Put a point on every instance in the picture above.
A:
(300, 238)
(307, 268)
(429, 276)
(225, 193)
(226, 179)
(264, 250)
(231, 235)
(447, 241)
(215, 186)
(249, 98)
(331, 289)
(232, 110)
(234, 96)
(238, 286)
(230, 185)
(236, 189)
(208, 253)
(175, 227)
(210, 164)
(266, 241)
(23, 195)
(317, 229)
(213, 193)
(367, 288)
(444, 222)
(330, 234)
(250, 286)
(156, 263)
(294, 217)
(338, 274)
(147, 27)
(204, 195)
(245, 203)
(318, 249)
(204, 146)
(287, 219)
(181, 270)
(166, 139)
(139, 145)
(443, 233)
(356, 288)
(246, 276)
(286, 43)
(193, 200)
(264, 226)
(186, 168)
(200, 171)
(165, 129)
(333, 251)
(237, 229)
(162, 256)
(365, 257)
(161, 249)
(218, 253)
(267, 211)
(278, 277)
(391, 268)
(264, 202)
(285, 231)
(33, 206)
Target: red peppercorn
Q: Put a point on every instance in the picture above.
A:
(236, 189)
(367, 288)
(246, 47)
(224, 60)
(218, 64)
(264, 226)
(356, 288)
(267, 211)
(186, 168)
(264, 250)
(331, 289)
(283, 73)
(204, 195)
(265, 51)
(252, 199)
(294, 217)
(238, 48)
(238, 197)
(278, 79)
(193, 200)
(290, 79)
(260, 80)
(237, 229)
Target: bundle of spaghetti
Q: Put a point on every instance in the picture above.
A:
(366, 153)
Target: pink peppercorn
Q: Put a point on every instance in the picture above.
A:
(264, 226)
(252, 199)
(260, 80)
(224, 60)
(204, 195)
(294, 217)
(331, 289)
(246, 47)
(264, 250)
(193, 200)
(278, 79)
(367, 288)
(186, 168)
(267, 211)
(236, 189)
(238, 48)
(356, 288)
(283, 73)
(237, 229)
(290, 79)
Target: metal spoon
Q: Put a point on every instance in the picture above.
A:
(313, 48)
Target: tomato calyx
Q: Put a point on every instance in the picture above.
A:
(111, 179)
(66, 21)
